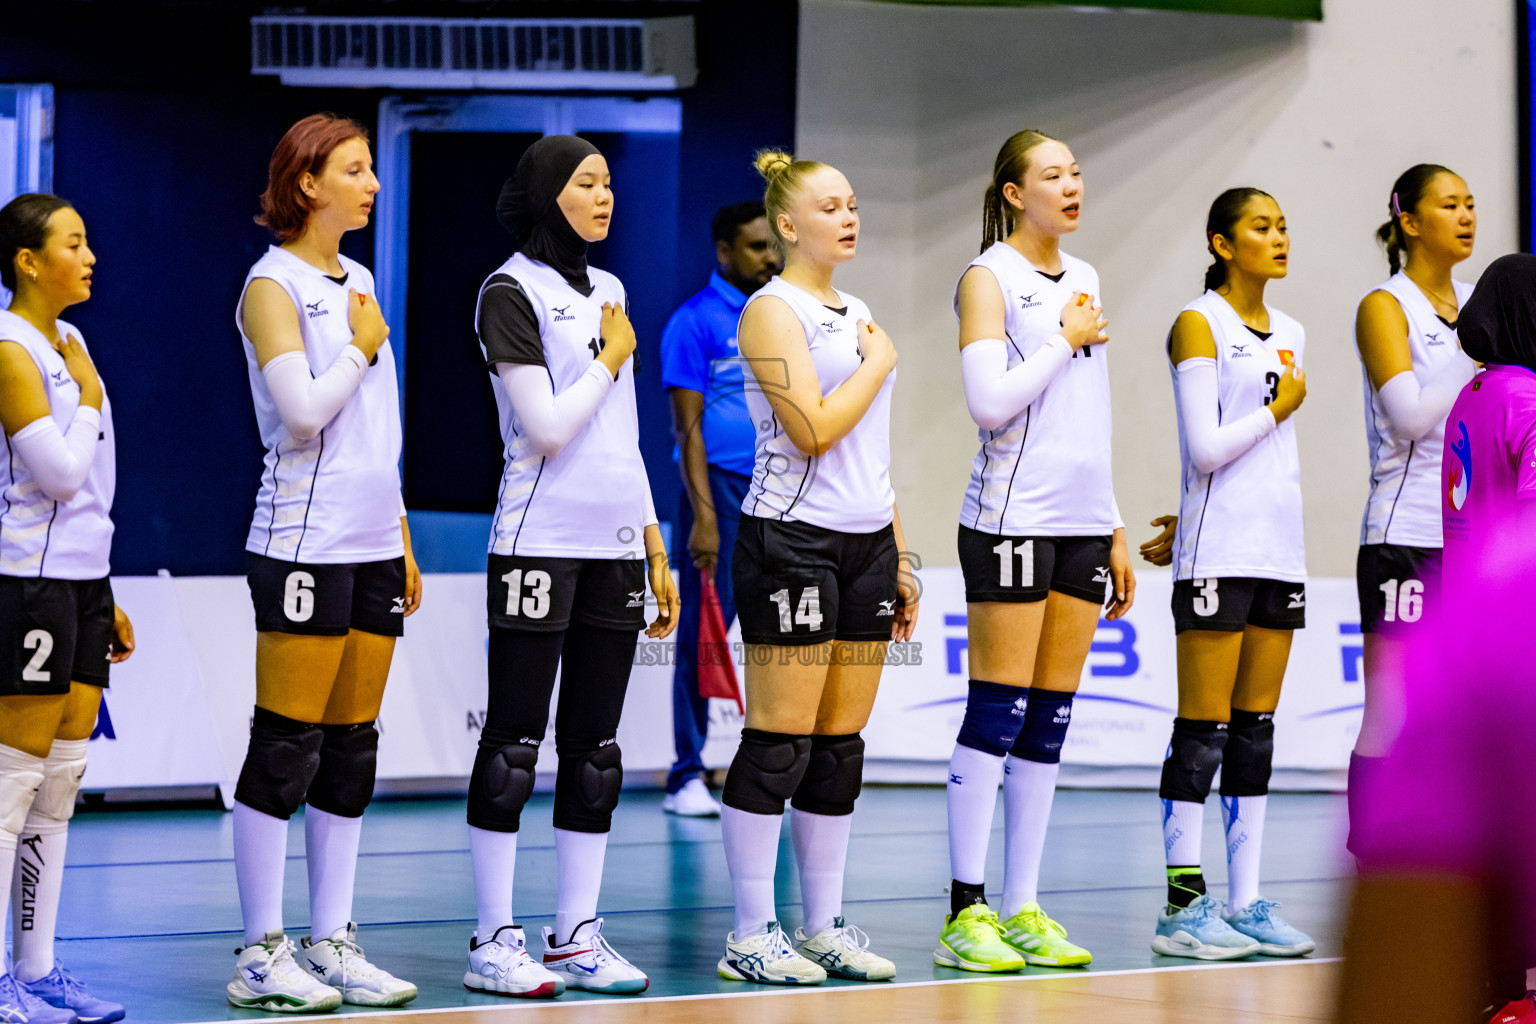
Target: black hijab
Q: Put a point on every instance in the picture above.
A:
(527, 207)
(1498, 323)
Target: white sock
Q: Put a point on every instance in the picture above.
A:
(330, 851)
(972, 797)
(39, 872)
(20, 776)
(751, 854)
(1029, 787)
(494, 855)
(821, 850)
(1243, 819)
(580, 859)
(261, 854)
(1182, 821)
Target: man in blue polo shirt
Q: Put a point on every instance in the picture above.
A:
(702, 372)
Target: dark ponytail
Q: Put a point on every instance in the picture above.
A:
(24, 225)
(1407, 192)
(1011, 163)
(1226, 211)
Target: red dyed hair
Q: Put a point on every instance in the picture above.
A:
(304, 148)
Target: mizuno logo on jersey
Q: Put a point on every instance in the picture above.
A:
(636, 599)
(887, 607)
(60, 378)
(1432, 339)
(1101, 574)
(832, 327)
(399, 608)
(314, 309)
(1029, 301)
(1241, 352)
(561, 313)
(1298, 599)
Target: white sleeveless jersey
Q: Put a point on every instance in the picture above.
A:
(1404, 503)
(1046, 472)
(1245, 518)
(336, 497)
(849, 488)
(589, 501)
(69, 540)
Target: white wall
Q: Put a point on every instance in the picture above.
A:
(1163, 111)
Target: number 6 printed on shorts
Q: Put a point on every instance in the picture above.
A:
(299, 596)
(807, 613)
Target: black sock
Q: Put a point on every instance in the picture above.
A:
(963, 894)
(1185, 885)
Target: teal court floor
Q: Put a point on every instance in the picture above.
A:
(150, 916)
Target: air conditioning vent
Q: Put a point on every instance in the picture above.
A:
(653, 54)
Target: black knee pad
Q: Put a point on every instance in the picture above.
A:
(766, 771)
(587, 788)
(833, 776)
(349, 760)
(501, 781)
(1250, 755)
(1194, 754)
(279, 764)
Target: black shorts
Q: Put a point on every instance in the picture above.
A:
(313, 599)
(798, 584)
(1022, 569)
(53, 632)
(1228, 603)
(543, 595)
(1398, 586)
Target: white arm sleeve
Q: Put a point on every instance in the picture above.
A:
(306, 403)
(1213, 444)
(59, 462)
(995, 394)
(550, 420)
(650, 501)
(1415, 410)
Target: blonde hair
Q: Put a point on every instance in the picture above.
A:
(784, 175)
(997, 216)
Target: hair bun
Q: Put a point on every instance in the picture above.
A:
(771, 163)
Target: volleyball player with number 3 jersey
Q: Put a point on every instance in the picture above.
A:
(1041, 540)
(1413, 368)
(329, 566)
(1239, 576)
(820, 578)
(573, 543)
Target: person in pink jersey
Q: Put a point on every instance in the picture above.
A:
(1450, 836)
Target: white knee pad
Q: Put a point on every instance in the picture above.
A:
(54, 804)
(20, 776)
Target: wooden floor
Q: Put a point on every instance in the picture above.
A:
(1279, 992)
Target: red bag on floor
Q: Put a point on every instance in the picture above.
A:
(717, 669)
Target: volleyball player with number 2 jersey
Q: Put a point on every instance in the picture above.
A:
(330, 570)
(1240, 575)
(1041, 540)
(1413, 367)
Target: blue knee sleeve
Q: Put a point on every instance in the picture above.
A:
(1045, 726)
(994, 716)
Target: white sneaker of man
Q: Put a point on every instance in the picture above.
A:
(766, 957)
(502, 965)
(267, 978)
(339, 962)
(589, 962)
(692, 801)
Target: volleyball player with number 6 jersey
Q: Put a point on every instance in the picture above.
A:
(1413, 368)
(821, 582)
(330, 570)
(1040, 542)
(1239, 576)
(573, 542)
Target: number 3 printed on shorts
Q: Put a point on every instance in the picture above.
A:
(808, 613)
(1206, 598)
(41, 641)
(535, 604)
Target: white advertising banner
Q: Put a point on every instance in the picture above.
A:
(179, 711)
